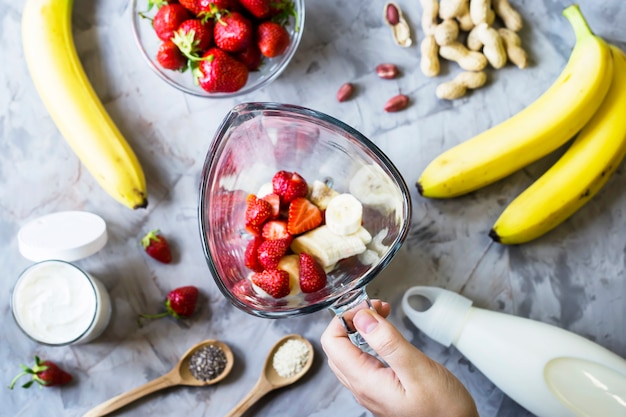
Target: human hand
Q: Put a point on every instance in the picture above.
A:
(413, 385)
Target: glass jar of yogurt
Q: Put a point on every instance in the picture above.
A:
(54, 302)
(57, 303)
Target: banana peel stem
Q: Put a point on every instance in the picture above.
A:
(575, 17)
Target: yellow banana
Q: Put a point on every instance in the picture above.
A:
(577, 176)
(73, 104)
(534, 132)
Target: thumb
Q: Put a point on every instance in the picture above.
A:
(388, 342)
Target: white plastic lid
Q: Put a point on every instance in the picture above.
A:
(444, 316)
(66, 236)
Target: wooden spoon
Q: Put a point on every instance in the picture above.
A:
(270, 379)
(179, 375)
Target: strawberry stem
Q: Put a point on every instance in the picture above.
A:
(30, 371)
(188, 45)
(18, 376)
(151, 317)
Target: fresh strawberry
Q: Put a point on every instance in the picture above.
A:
(46, 374)
(167, 20)
(258, 8)
(198, 35)
(280, 181)
(159, 3)
(251, 57)
(250, 257)
(233, 32)
(258, 211)
(218, 72)
(274, 200)
(192, 5)
(271, 251)
(282, 10)
(289, 186)
(272, 39)
(312, 276)
(213, 7)
(303, 216)
(274, 282)
(157, 246)
(179, 303)
(275, 230)
(170, 57)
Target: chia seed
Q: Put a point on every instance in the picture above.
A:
(207, 363)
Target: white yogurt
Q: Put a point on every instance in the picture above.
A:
(56, 303)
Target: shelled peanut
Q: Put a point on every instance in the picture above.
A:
(472, 33)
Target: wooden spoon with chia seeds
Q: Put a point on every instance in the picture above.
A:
(271, 379)
(205, 363)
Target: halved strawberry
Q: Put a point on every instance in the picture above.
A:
(303, 216)
(271, 251)
(250, 257)
(312, 276)
(274, 282)
(257, 211)
(274, 200)
(275, 230)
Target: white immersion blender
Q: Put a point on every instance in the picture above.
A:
(547, 370)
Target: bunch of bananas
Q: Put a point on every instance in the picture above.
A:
(588, 100)
(73, 104)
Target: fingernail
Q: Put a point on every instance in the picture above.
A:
(364, 321)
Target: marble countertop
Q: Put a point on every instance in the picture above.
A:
(572, 277)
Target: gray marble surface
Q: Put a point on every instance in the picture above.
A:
(572, 278)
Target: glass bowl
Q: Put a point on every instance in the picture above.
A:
(148, 44)
(256, 140)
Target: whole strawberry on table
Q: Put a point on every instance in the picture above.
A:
(44, 373)
(220, 41)
(157, 246)
(180, 303)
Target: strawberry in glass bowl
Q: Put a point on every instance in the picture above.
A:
(220, 48)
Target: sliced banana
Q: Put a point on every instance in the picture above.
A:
(376, 243)
(320, 194)
(373, 187)
(328, 247)
(369, 257)
(265, 189)
(291, 265)
(344, 214)
(363, 234)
